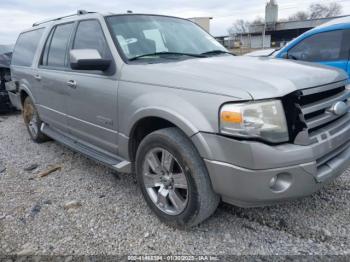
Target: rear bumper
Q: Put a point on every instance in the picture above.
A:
(247, 173)
(14, 94)
(15, 100)
(5, 104)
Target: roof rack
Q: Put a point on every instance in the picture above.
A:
(79, 12)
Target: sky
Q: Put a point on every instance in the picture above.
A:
(16, 15)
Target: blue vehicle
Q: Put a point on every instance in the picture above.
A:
(328, 44)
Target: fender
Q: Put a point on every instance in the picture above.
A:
(188, 117)
(192, 112)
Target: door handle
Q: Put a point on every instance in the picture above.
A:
(37, 77)
(72, 84)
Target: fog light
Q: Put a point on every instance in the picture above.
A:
(281, 182)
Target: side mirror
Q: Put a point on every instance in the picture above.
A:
(88, 59)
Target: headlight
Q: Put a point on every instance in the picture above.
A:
(264, 120)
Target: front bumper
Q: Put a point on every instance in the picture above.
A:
(248, 174)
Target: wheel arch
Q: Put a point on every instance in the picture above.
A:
(150, 120)
(24, 92)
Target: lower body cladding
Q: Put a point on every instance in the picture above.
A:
(251, 174)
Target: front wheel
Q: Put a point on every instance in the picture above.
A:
(174, 180)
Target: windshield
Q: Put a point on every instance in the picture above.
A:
(144, 35)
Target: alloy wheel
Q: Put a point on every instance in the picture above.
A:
(165, 181)
(31, 119)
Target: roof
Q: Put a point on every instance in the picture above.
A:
(78, 13)
(336, 21)
(94, 14)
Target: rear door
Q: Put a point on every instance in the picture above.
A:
(52, 77)
(92, 100)
(326, 48)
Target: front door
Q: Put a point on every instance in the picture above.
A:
(51, 78)
(92, 99)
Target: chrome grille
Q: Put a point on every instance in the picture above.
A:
(316, 104)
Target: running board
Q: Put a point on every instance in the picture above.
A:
(118, 164)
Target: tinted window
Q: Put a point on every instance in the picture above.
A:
(320, 48)
(89, 35)
(26, 47)
(56, 46)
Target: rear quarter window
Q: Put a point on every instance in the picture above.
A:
(26, 47)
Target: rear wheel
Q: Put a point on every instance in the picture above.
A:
(32, 121)
(173, 179)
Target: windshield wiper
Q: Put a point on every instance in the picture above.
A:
(216, 52)
(166, 53)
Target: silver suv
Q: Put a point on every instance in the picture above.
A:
(158, 96)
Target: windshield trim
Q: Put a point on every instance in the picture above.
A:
(166, 54)
(125, 59)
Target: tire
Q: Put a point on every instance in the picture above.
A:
(169, 199)
(32, 121)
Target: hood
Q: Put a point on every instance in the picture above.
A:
(261, 53)
(240, 77)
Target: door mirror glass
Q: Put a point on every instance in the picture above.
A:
(88, 59)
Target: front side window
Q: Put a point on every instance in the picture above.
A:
(139, 35)
(89, 35)
(321, 47)
(56, 46)
(26, 47)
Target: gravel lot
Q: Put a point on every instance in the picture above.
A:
(109, 216)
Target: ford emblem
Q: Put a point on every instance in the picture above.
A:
(339, 108)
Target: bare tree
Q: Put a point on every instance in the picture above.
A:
(239, 27)
(299, 16)
(258, 21)
(317, 10)
(322, 11)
